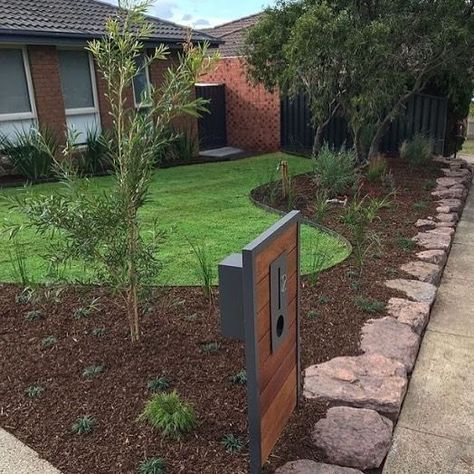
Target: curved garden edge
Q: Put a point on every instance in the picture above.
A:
(366, 392)
(306, 221)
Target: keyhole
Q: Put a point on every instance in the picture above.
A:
(280, 326)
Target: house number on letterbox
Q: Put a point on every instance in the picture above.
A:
(279, 300)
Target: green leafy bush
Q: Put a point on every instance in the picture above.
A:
(152, 466)
(171, 415)
(417, 151)
(94, 158)
(31, 153)
(84, 425)
(232, 443)
(335, 172)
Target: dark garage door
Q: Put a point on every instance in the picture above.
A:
(212, 125)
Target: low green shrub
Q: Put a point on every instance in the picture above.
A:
(48, 341)
(34, 315)
(232, 443)
(405, 243)
(93, 371)
(377, 168)
(171, 415)
(335, 172)
(98, 332)
(86, 311)
(185, 146)
(321, 205)
(94, 158)
(31, 153)
(417, 151)
(210, 347)
(312, 315)
(152, 466)
(84, 425)
(240, 378)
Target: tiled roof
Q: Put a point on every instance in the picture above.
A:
(75, 19)
(233, 34)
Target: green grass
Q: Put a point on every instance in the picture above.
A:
(206, 204)
(468, 147)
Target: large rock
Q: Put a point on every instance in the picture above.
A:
(432, 241)
(392, 339)
(367, 381)
(353, 437)
(414, 289)
(460, 173)
(423, 271)
(442, 230)
(449, 182)
(425, 223)
(437, 257)
(448, 193)
(454, 205)
(408, 312)
(447, 217)
(305, 466)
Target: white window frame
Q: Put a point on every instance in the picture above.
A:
(29, 85)
(95, 97)
(142, 105)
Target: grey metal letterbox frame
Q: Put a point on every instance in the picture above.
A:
(237, 280)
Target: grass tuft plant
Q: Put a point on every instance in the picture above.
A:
(98, 332)
(204, 268)
(84, 425)
(34, 391)
(86, 311)
(93, 371)
(312, 315)
(232, 444)
(210, 347)
(377, 168)
(34, 315)
(159, 384)
(321, 206)
(405, 243)
(370, 305)
(48, 341)
(169, 414)
(240, 378)
(417, 151)
(152, 466)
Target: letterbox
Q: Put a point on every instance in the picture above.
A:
(259, 303)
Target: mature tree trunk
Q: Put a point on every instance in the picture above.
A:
(318, 136)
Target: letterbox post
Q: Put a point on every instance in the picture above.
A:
(269, 314)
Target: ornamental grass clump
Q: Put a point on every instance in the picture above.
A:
(417, 151)
(152, 466)
(103, 231)
(335, 171)
(169, 414)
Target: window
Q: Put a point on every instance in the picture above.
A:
(76, 80)
(141, 83)
(15, 85)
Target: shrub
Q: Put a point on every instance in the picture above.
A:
(184, 146)
(31, 153)
(168, 413)
(158, 385)
(84, 425)
(26, 295)
(405, 243)
(18, 263)
(321, 205)
(210, 347)
(86, 311)
(98, 332)
(48, 341)
(417, 151)
(420, 205)
(240, 378)
(95, 158)
(377, 168)
(324, 299)
(204, 268)
(369, 305)
(92, 371)
(232, 443)
(312, 315)
(34, 391)
(335, 171)
(152, 466)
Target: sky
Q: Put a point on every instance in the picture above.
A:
(205, 13)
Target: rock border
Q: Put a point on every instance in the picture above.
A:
(375, 382)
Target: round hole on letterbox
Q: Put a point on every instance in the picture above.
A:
(280, 326)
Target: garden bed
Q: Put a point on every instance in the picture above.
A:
(177, 326)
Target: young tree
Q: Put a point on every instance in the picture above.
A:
(104, 230)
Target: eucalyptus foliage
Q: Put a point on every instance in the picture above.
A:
(103, 230)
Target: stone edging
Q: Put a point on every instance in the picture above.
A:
(366, 392)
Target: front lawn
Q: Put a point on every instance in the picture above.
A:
(204, 204)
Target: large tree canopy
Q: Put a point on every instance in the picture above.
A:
(365, 58)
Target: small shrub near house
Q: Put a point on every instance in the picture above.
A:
(170, 414)
(335, 171)
(417, 151)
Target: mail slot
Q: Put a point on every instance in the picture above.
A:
(279, 300)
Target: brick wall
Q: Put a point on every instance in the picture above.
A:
(253, 114)
(44, 65)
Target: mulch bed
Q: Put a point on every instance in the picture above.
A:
(177, 322)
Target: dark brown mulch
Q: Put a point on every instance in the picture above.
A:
(177, 322)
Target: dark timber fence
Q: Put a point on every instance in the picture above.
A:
(425, 114)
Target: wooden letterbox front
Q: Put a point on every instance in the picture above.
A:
(271, 283)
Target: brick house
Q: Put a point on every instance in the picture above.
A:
(48, 79)
(253, 114)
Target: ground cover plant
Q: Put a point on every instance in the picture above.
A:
(197, 203)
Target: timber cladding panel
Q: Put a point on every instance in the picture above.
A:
(273, 375)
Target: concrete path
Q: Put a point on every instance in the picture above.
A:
(17, 458)
(435, 432)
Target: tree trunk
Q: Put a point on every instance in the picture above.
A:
(318, 140)
(359, 148)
